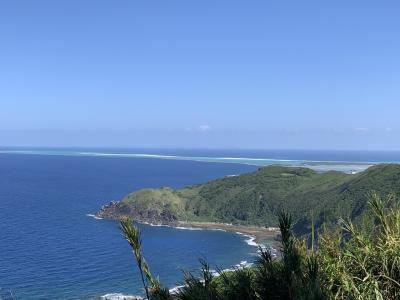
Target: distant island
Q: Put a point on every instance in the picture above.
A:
(253, 200)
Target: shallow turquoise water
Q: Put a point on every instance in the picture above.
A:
(321, 161)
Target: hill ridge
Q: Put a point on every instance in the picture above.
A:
(256, 198)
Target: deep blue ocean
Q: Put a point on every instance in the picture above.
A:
(51, 249)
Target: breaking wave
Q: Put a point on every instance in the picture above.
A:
(342, 166)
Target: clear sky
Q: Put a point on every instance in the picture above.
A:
(243, 74)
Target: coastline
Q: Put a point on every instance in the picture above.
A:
(258, 235)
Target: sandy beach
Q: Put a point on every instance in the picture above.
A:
(262, 235)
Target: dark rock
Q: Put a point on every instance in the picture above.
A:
(119, 210)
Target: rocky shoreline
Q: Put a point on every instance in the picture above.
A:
(117, 210)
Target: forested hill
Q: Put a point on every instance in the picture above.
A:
(256, 198)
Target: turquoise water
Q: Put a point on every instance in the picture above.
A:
(343, 161)
(51, 248)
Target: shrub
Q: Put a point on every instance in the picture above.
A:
(354, 262)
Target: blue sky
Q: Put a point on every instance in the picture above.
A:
(242, 74)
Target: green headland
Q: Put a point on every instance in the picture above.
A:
(257, 198)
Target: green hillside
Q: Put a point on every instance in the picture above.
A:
(256, 198)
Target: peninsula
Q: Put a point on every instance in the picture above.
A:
(249, 203)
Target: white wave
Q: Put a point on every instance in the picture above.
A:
(170, 226)
(243, 264)
(175, 289)
(318, 165)
(152, 224)
(94, 216)
(251, 239)
(180, 227)
(119, 296)
(251, 242)
(189, 228)
(218, 229)
(240, 159)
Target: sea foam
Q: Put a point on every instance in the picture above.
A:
(94, 216)
(119, 296)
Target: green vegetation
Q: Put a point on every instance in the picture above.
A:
(157, 200)
(256, 198)
(364, 262)
(352, 262)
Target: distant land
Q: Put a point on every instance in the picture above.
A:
(256, 198)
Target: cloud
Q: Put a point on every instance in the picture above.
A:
(204, 128)
(361, 129)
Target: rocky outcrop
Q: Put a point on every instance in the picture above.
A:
(119, 210)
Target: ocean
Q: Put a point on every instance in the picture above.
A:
(51, 247)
